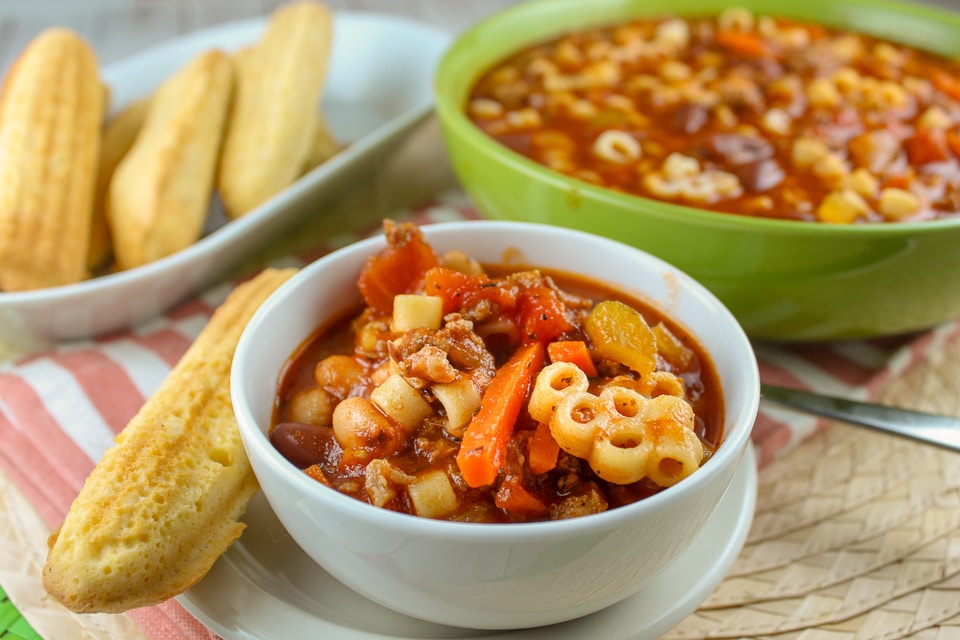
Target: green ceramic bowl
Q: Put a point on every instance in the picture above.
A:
(783, 280)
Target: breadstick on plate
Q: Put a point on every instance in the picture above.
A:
(51, 111)
(118, 136)
(165, 501)
(159, 194)
(324, 145)
(279, 83)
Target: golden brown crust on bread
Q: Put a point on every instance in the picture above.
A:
(159, 194)
(51, 110)
(165, 501)
(119, 134)
(324, 144)
(279, 82)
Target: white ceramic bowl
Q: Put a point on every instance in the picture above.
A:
(491, 576)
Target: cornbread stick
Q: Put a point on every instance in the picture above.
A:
(118, 136)
(324, 145)
(279, 83)
(160, 192)
(164, 502)
(51, 110)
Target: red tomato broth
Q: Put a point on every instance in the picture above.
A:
(736, 113)
(570, 487)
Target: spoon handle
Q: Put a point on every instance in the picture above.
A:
(942, 431)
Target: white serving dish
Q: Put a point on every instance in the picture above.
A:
(379, 87)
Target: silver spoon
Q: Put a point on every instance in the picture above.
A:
(942, 431)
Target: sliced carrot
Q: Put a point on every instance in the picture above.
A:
(315, 472)
(514, 498)
(574, 352)
(946, 82)
(484, 444)
(898, 181)
(744, 43)
(953, 141)
(542, 450)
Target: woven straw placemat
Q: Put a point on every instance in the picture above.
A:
(856, 535)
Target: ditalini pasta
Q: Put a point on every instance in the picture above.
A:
(483, 393)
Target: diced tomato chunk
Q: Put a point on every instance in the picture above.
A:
(398, 268)
(927, 146)
(462, 291)
(543, 316)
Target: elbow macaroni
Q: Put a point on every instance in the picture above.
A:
(623, 435)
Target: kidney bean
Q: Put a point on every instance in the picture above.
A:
(690, 118)
(302, 444)
(735, 149)
(759, 176)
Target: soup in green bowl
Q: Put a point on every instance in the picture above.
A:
(800, 160)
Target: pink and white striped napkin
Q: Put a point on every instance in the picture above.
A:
(61, 408)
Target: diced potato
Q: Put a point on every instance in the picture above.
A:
(896, 204)
(934, 118)
(863, 182)
(416, 312)
(842, 206)
(674, 32)
(831, 168)
(846, 79)
(776, 121)
(822, 93)
(807, 151)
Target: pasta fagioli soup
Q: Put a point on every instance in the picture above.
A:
(486, 393)
(740, 112)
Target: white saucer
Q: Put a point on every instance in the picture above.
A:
(264, 586)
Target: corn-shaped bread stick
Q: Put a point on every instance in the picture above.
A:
(51, 111)
(165, 501)
(279, 82)
(159, 194)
